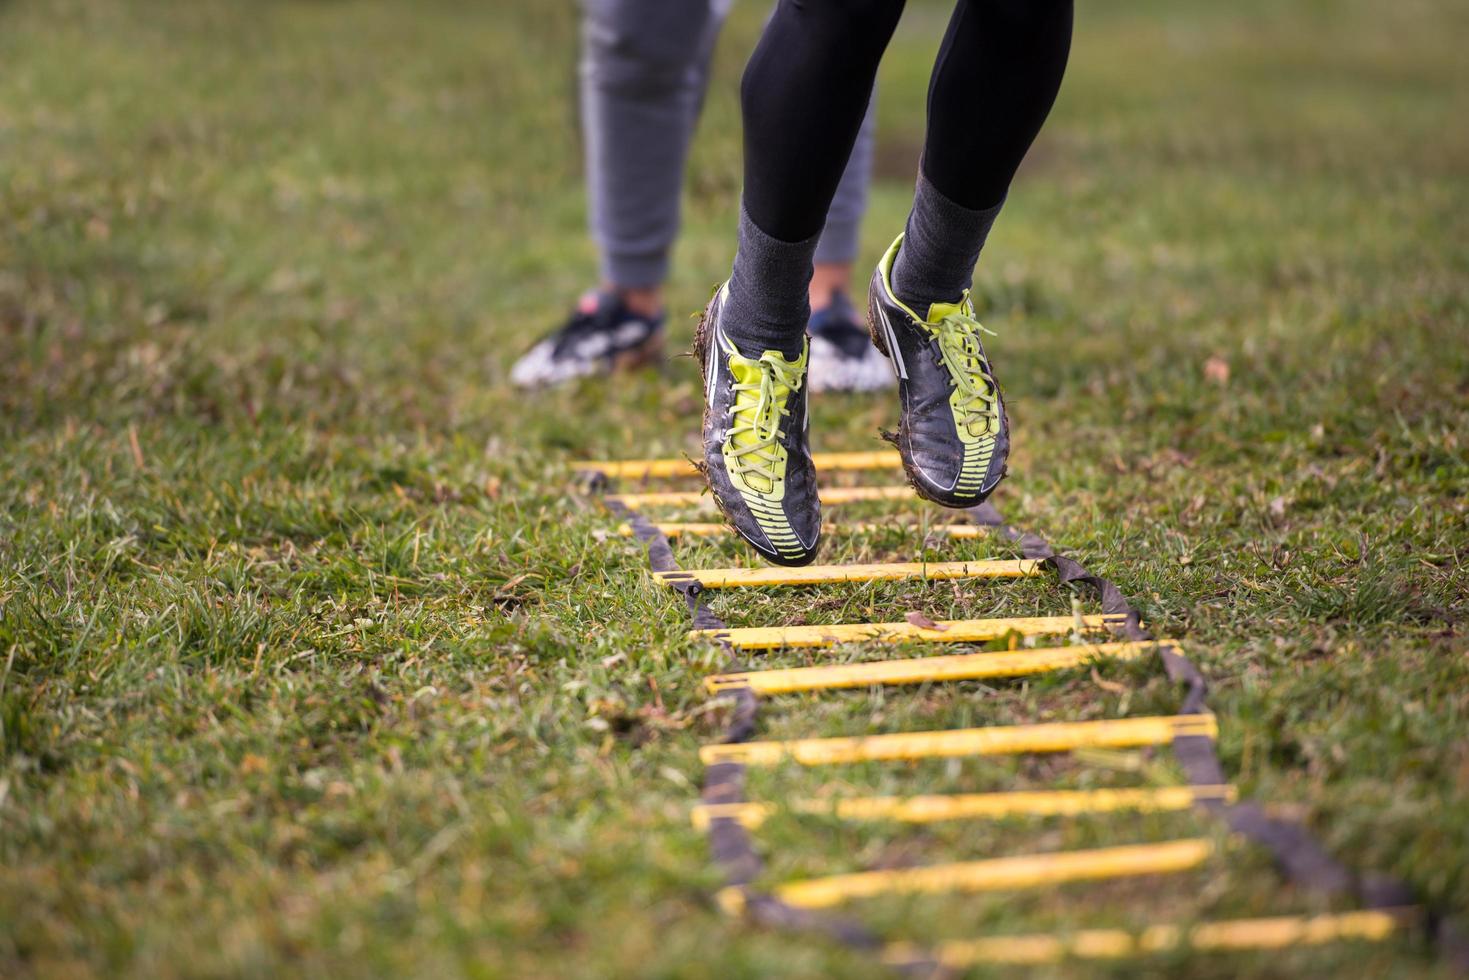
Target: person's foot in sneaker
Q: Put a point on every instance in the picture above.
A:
(757, 457)
(952, 434)
(602, 335)
(842, 355)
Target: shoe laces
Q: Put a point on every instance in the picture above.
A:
(962, 353)
(762, 390)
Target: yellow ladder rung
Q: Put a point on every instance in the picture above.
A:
(998, 740)
(680, 529)
(1001, 874)
(677, 529)
(699, 498)
(943, 631)
(638, 469)
(920, 670)
(1276, 932)
(728, 578)
(972, 806)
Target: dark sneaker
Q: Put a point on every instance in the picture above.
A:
(842, 355)
(601, 336)
(952, 434)
(756, 454)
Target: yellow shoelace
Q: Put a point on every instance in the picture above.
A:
(756, 454)
(962, 353)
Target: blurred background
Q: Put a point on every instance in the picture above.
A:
(294, 585)
(281, 207)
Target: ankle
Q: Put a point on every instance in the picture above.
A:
(768, 302)
(645, 301)
(754, 326)
(828, 279)
(941, 244)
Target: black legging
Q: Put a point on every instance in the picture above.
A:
(808, 83)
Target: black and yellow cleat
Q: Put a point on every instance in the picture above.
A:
(952, 434)
(757, 457)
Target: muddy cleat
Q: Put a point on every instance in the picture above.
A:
(601, 336)
(842, 355)
(953, 435)
(756, 453)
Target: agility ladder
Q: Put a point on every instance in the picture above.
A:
(1383, 907)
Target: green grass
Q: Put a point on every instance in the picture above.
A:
(315, 659)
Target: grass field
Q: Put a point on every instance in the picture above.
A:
(314, 658)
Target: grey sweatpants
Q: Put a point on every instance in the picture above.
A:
(644, 69)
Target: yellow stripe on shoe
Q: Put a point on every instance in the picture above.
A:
(976, 464)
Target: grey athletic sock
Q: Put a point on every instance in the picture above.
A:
(935, 263)
(767, 306)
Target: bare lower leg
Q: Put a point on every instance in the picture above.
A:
(827, 279)
(642, 300)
